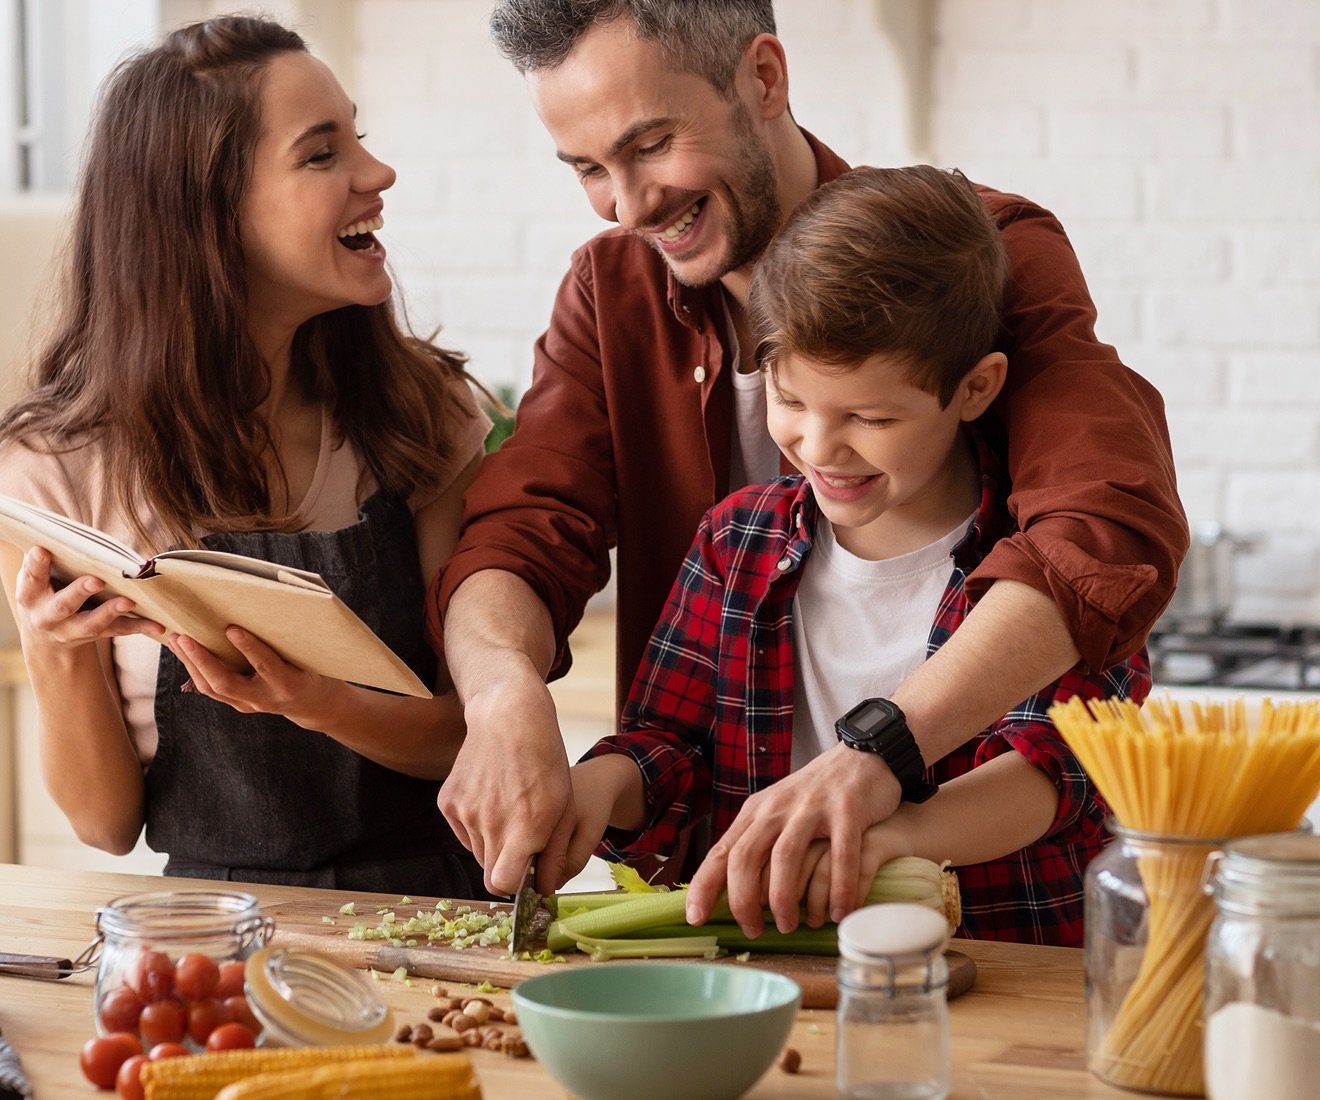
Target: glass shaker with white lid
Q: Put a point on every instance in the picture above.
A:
(893, 1015)
(1262, 1007)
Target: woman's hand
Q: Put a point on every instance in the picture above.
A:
(272, 687)
(58, 618)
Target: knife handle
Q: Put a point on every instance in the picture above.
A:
(35, 966)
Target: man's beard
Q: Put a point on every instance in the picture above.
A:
(753, 204)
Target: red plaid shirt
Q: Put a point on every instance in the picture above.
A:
(710, 716)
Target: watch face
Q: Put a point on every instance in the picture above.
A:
(869, 719)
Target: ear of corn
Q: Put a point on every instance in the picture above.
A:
(201, 1076)
(436, 1077)
(907, 879)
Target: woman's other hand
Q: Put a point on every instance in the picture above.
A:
(61, 617)
(273, 686)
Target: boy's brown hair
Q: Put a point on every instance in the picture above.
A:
(903, 262)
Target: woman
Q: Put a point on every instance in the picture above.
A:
(228, 372)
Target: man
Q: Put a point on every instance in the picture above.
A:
(646, 407)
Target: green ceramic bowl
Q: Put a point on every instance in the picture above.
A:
(656, 1030)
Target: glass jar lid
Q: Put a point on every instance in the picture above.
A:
(1273, 874)
(892, 930)
(310, 999)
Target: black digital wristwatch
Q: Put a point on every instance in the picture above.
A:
(879, 726)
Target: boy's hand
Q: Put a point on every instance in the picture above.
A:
(598, 785)
(880, 844)
(835, 798)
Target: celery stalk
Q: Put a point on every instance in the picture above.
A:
(801, 941)
(625, 913)
(657, 947)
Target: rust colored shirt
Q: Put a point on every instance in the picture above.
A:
(624, 439)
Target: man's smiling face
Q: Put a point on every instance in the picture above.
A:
(661, 153)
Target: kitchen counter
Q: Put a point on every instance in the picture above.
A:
(1018, 1034)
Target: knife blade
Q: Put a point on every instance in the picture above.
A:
(526, 904)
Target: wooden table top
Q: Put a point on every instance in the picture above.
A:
(1018, 1034)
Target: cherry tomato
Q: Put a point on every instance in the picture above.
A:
(195, 977)
(151, 975)
(120, 1009)
(230, 1037)
(167, 1050)
(128, 1081)
(231, 979)
(131, 1042)
(163, 1022)
(204, 1017)
(240, 1012)
(101, 1057)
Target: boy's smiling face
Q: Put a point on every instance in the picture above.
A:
(888, 464)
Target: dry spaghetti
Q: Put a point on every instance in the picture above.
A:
(1211, 777)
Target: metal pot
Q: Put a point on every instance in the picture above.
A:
(1206, 587)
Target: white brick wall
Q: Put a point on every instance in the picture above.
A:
(1178, 140)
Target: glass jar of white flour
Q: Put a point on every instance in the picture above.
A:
(1262, 1006)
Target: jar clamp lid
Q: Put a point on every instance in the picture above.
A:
(1275, 874)
(306, 999)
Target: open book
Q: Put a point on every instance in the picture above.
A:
(201, 592)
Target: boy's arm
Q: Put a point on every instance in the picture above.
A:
(997, 808)
(985, 814)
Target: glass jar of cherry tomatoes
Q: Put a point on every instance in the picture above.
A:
(172, 967)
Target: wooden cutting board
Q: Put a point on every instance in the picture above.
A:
(301, 924)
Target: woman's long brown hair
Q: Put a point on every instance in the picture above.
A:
(151, 356)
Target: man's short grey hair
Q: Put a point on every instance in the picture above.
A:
(705, 37)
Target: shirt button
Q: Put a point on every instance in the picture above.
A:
(784, 564)
(700, 373)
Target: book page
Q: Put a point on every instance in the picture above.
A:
(273, 571)
(76, 548)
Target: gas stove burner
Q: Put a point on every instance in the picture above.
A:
(1201, 651)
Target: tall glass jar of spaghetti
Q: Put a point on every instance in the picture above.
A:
(1147, 918)
(1262, 994)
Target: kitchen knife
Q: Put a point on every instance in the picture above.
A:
(526, 904)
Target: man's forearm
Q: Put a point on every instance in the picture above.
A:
(496, 625)
(1013, 643)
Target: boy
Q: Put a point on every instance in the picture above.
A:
(874, 310)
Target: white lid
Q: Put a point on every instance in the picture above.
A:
(892, 929)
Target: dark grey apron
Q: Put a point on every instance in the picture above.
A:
(255, 798)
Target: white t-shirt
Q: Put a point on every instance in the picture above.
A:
(755, 456)
(76, 484)
(859, 628)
